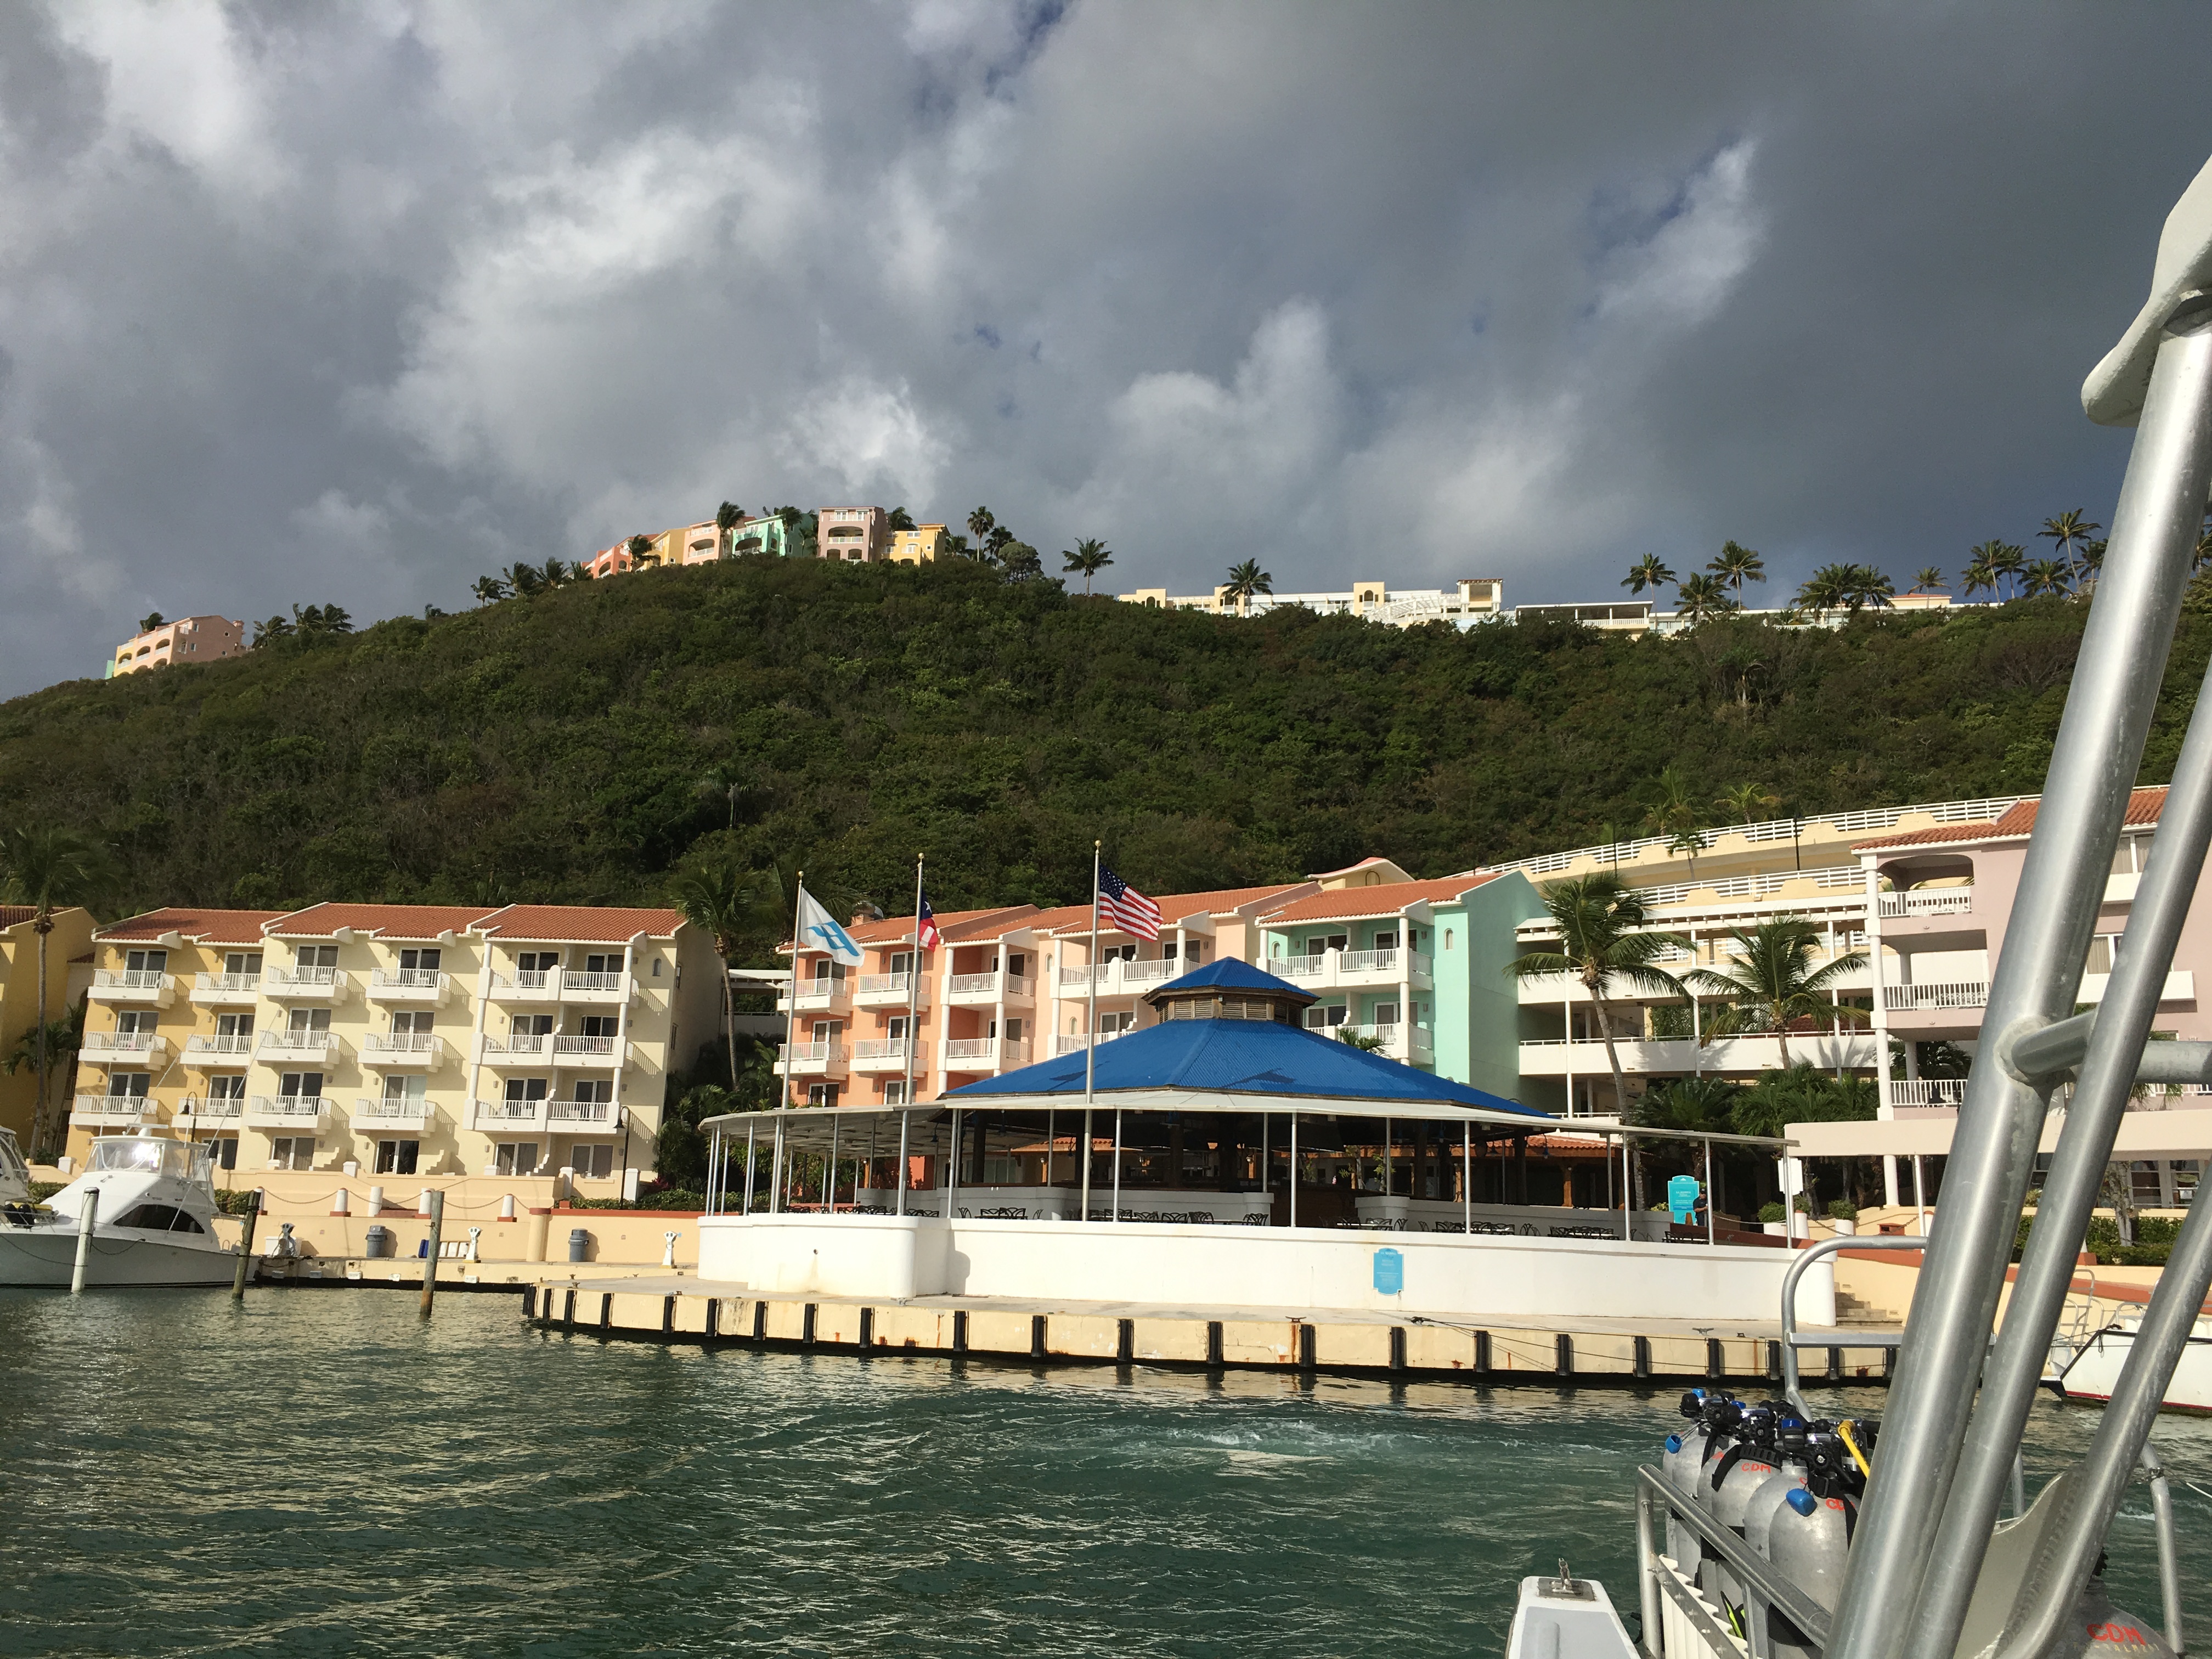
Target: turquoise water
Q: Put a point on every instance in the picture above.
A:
(322, 1473)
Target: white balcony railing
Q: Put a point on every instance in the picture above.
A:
(589, 984)
(132, 985)
(1148, 971)
(887, 1055)
(505, 1116)
(965, 1054)
(827, 1056)
(128, 1046)
(320, 982)
(581, 1117)
(988, 987)
(1957, 993)
(388, 1113)
(408, 985)
(518, 1045)
(402, 1048)
(1735, 1056)
(818, 993)
(226, 987)
(210, 1107)
(100, 1111)
(298, 1045)
(1929, 902)
(288, 1111)
(890, 987)
(1076, 1043)
(584, 1050)
(231, 1047)
(1928, 1091)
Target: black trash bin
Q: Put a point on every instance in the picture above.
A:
(379, 1241)
(580, 1244)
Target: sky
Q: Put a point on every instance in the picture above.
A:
(352, 304)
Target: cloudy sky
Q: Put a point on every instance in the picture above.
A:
(354, 303)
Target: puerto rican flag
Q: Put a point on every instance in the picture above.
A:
(926, 936)
(1126, 908)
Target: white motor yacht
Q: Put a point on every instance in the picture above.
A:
(154, 1224)
(2087, 1366)
(14, 1174)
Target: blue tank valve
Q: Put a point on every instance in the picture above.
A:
(1802, 1501)
(1674, 1443)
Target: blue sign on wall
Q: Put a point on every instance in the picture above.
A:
(1389, 1273)
(1682, 1197)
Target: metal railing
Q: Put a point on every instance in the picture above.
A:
(290, 1106)
(522, 1044)
(571, 981)
(125, 1042)
(402, 1042)
(1847, 823)
(1934, 900)
(216, 1106)
(131, 979)
(118, 1108)
(226, 984)
(583, 1045)
(406, 979)
(1957, 993)
(283, 979)
(578, 1111)
(1927, 1090)
(287, 1043)
(506, 1114)
(222, 1043)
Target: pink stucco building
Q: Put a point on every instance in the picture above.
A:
(189, 638)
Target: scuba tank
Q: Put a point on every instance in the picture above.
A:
(1730, 1481)
(1715, 1417)
(1809, 1536)
(1679, 1466)
(1792, 1439)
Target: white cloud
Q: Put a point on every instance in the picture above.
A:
(868, 437)
(1686, 267)
(179, 76)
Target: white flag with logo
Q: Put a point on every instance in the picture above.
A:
(819, 930)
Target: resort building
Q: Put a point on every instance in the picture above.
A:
(1473, 599)
(1638, 617)
(857, 535)
(21, 1006)
(397, 1039)
(190, 639)
(923, 544)
(767, 536)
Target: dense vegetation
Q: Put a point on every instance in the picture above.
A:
(577, 744)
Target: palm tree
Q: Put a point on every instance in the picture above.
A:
(2069, 530)
(1089, 558)
(149, 622)
(900, 519)
(526, 578)
(1737, 565)
(1869, 586)
(555, 572)
(1019, 561)
(978, 526)
(726, 780)
(1649, 571)
(638, 547)
(1982, 574)
(2009, 559)
(51, 867)
(726, 901)
(1246, 581)
(1826, 589)
(1743, 799)
(275, 627)
(1774, 980)
(2045, 576)
(489, 589)
(1928, 579)
(1603, 942)
(2092, 556)
(727, 518)
(1701, 597)
(1671, 815)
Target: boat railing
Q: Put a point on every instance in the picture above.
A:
(1790, 1339)
(1656, 1499)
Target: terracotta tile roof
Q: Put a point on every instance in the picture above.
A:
(899, 930)
(14, 915)
(1073, 919)
(581, 924)
(381, 920)
(82, 961)
(2144, 808)
(202, 926)
(1387, 900)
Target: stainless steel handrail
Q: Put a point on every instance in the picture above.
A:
(1871, 1340)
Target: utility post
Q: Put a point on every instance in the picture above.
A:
(246, 1246)
(430, 1262)
(86, 1219)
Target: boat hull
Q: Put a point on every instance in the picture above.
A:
(46, 1257)
(2093, 1371)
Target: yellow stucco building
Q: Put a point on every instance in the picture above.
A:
(19, 1002)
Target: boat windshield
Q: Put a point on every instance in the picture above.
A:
(11, 1161)
(174, 1158)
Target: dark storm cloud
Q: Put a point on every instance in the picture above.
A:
(301, 304)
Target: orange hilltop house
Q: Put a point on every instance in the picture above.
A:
(397, 1040)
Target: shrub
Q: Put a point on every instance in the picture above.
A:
(2143, 1255)
(1772, 1212)
(1842, 1209)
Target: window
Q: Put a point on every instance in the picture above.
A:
(316, 955)
(225, 1148)
(820, 1094)
(600, 964)
(1115, 1024)
(242, 961)
(531, 1025)
(515, 1157)
(407, 1090)
(600, 1026)
(899, 962)
(1448, 938)
(308, 1022)
(234, 1025)
(894, 1092)
(1013, 1030)
(230, 1086)
(1386, 1013)
(1320, 942)
(594, 1091)
(895, 1028)
(146, 961)
(292, 1152)
(419, 962)
(536, 962)
(1017, 965)
(411, 1025)
(128, 1085)
(159, 1219)
(591, 1162)
(305, 1085)
(133, 1022)
(828, 1031)
(1322, 1017)
(656, 967)
(1386, 938)
(397, 1157)
(525, 1088)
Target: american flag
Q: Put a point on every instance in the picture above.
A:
(1126, 908)
(926, 936)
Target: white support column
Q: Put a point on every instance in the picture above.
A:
(1879, 1024)
(622, 1044)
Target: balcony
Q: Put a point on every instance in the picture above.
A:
(411, 1051)
(1120, 978)
(515, 1049)
(225, 1049)
(1924, 1092)
(1956, 993)
(2181, 987)
(391, 1116)
(887, 1055)
(208, 1111)
(532, 985)
(889, 991)
(1929, 902)
(582, 1117)
(1076, 1043)
(318, 1048)
(506, 1117)
(124, 1047)
(1353, 969)
(825, 1059)
(112, 1112)
(227, 990)
(595, 1051)
(306, 984)
(984, 1053)
(986, 990)
(411, 988)
(133, 987)
(288, 1114)
(1739, 1056)
(608, 988)
(817, 996)
(1409, 1044)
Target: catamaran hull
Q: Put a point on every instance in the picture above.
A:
(46, 1257)
(2094, 1372)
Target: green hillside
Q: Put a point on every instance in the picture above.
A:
(575, 745)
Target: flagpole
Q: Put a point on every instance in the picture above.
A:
(913, 1006)
(791, 1010)
(1091, 1039)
